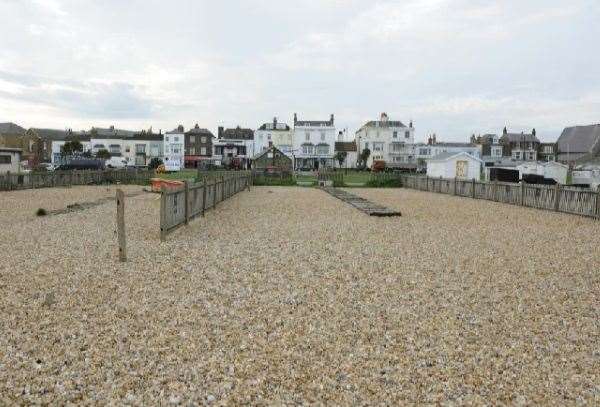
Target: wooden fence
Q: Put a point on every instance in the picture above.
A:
(558, 198)
(179, 206)
(9, 182)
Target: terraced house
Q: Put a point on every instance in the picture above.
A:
(314, 142)
(520, 146)
(388, 140)
(277, 134)
(198, 146)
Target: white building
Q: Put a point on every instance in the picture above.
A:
(57, 157)
(10, 160)
(347, 148)
(173, 149)
(389, 141)
(425, 152)
(280, 135)
(459, 165)
(314, 143)
(234, 147)
(551, 170)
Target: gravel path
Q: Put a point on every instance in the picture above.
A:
(287, 295)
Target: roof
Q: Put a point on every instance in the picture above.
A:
(579, 139)
(348, 146)
(10, 149)
(199, 130)
(238, 134)
(518, 137)
(447, 155)
(53, 134)
(111, 131)
(455, 145)
(284, 127)
(271, 148)
(385, 123)
(313, 123)
(11, 128)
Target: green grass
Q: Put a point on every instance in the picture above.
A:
(179, 175)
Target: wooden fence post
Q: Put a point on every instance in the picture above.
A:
(121, 225)
(163, 213)
(203, 196)
(522, 200)
(473, 188)
(495, 190)
(598, 202)
(556, 197)
(455, 189)
(186, 196)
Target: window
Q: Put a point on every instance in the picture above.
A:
(424, 151)
(397, 147)
(140, 149)
(307, 135)
(307, 149)
(176, 139)
(322, 136)
(192, 150)
(517, 155)
(192, 139)
(203, 139)
(407, 134)
(175, 150)
(323, 149)
(99, 146)
(5, 159)
(377, 146)
(395, 134)
(166, 138)
(548, 149)
(114, 149)
(367, 144)
(202, 150)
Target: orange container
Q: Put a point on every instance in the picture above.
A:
(157, 184)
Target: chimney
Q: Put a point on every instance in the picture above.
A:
(384, 117)
(196, 126)
(434, 139)
(429, 141)
(332, 119)
(270, 144)
(112, 127)
(505, 132)
(410, 124)
(274, 122)
(295, 118)
(220, 132)
(533, 132)
(180, 128)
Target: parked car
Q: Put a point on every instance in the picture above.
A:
(116, 162)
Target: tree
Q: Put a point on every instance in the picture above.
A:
(340, 157)
(71, 148)
(103, 154)
(155, 163)
(364, 157)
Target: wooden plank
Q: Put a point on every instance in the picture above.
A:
(203, 196)
(186, 198)
(121, 225)
(163, 214)
(556, 197)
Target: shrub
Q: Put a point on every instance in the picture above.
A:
(155, 163)
(41, 212)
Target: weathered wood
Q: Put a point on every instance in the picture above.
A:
(121, 225)
(186, 198)
(598, 202)
(361, 204)
(522, 190)
(556, 197)
(204, 196)
(473, 188)
(163, 214)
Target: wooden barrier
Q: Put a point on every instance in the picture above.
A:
(179, 206)
(33, 180)
(121, 225)
(558, 198)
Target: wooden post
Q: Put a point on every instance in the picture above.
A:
(121, 225)
(163, 214)
(186, 197)
(455, 186)
(203, 196)
(473, 188)
(556, 197)
(495, 190)
(598, 202)
(214, 202)
(522, 200)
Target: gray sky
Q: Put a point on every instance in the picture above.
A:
(456, 67)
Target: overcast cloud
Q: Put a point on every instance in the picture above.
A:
(455, 67)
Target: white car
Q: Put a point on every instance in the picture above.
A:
(116, 162)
